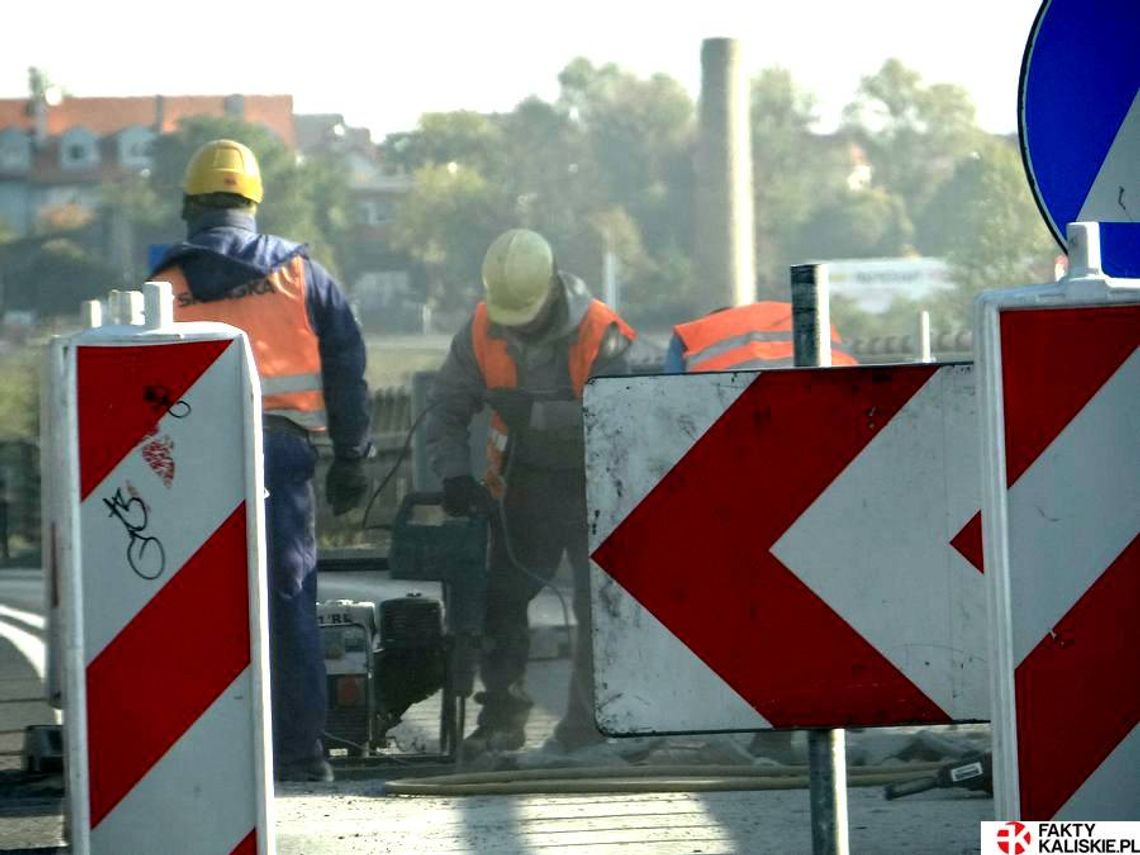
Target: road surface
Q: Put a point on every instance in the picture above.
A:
(360, 816)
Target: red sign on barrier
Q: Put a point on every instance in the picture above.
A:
(817, 547)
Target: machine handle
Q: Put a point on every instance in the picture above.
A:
(909, 788)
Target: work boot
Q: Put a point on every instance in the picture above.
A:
(502, 723)
(314, 770)
(777, 746)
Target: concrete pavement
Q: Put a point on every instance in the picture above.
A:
(359, 816)
(359, 819)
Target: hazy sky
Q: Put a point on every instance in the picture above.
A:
(383, 64)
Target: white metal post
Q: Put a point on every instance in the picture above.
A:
(158, 298)
(924, 353)
(827, 749)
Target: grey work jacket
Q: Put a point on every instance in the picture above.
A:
(543, 368)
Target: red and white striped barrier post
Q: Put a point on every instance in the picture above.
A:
(166, 694)
(1060, 384)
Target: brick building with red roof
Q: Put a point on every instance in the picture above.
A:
(57, 154)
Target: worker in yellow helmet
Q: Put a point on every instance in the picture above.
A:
(526, 352)
(310, 358)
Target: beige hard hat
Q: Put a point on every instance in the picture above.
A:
(518, 271)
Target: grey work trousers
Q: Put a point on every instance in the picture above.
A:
(544, 516)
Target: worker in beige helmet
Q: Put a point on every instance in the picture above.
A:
(526, 352)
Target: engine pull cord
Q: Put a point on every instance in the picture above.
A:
(394, 468)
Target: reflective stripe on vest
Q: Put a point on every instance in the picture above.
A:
(499, 371)
(290, 383)
(758, 335)
(273, 314)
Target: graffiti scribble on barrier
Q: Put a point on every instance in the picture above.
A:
(145, 553)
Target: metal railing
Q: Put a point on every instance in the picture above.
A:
(944, 346)
(19, 500)
(391, 418)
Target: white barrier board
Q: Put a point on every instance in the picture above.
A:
(788, 548)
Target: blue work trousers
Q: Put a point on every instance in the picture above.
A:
(297, 668)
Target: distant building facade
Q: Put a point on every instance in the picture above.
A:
(385, 287)
(57, 155)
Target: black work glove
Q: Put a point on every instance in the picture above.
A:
(345, 485)
(513, 405)
(463, 495)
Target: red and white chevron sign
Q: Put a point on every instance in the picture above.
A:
(166, 693)
(786, 549)
(1062, 453)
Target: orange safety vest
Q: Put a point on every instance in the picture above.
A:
(272, 313)
(756, 335)
(500, 372)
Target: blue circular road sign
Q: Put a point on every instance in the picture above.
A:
(1079, 122)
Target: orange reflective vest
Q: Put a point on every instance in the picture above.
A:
(272, 313)
(500, 372)
(757, 335)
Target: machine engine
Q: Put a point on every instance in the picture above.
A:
(379, 662)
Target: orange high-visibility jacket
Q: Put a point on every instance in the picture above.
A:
(272, 313)
(757, 335)
(500, 372)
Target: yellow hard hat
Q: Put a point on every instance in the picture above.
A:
(223, 166)
(518, 271)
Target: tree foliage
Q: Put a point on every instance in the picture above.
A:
(998, 238)
(606, 169)
(913, 134)
(449, 218)
(57, 275)
(795, 175)
(19, 393)
(608, 166)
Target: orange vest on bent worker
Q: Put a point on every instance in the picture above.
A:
(756, 335)
(272, 313)
(500, 372)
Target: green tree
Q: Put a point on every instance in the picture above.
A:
(859, 224)
(640, 136)
(796, 173)
(458, 202)
(19, 393)
(914, 134)
(58, 277)
(607, 167)
(641, 133)
(445, 224)
(471, 139)
(986, 224)
(553, 183)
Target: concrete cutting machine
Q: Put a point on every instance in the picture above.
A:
(383, 658)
